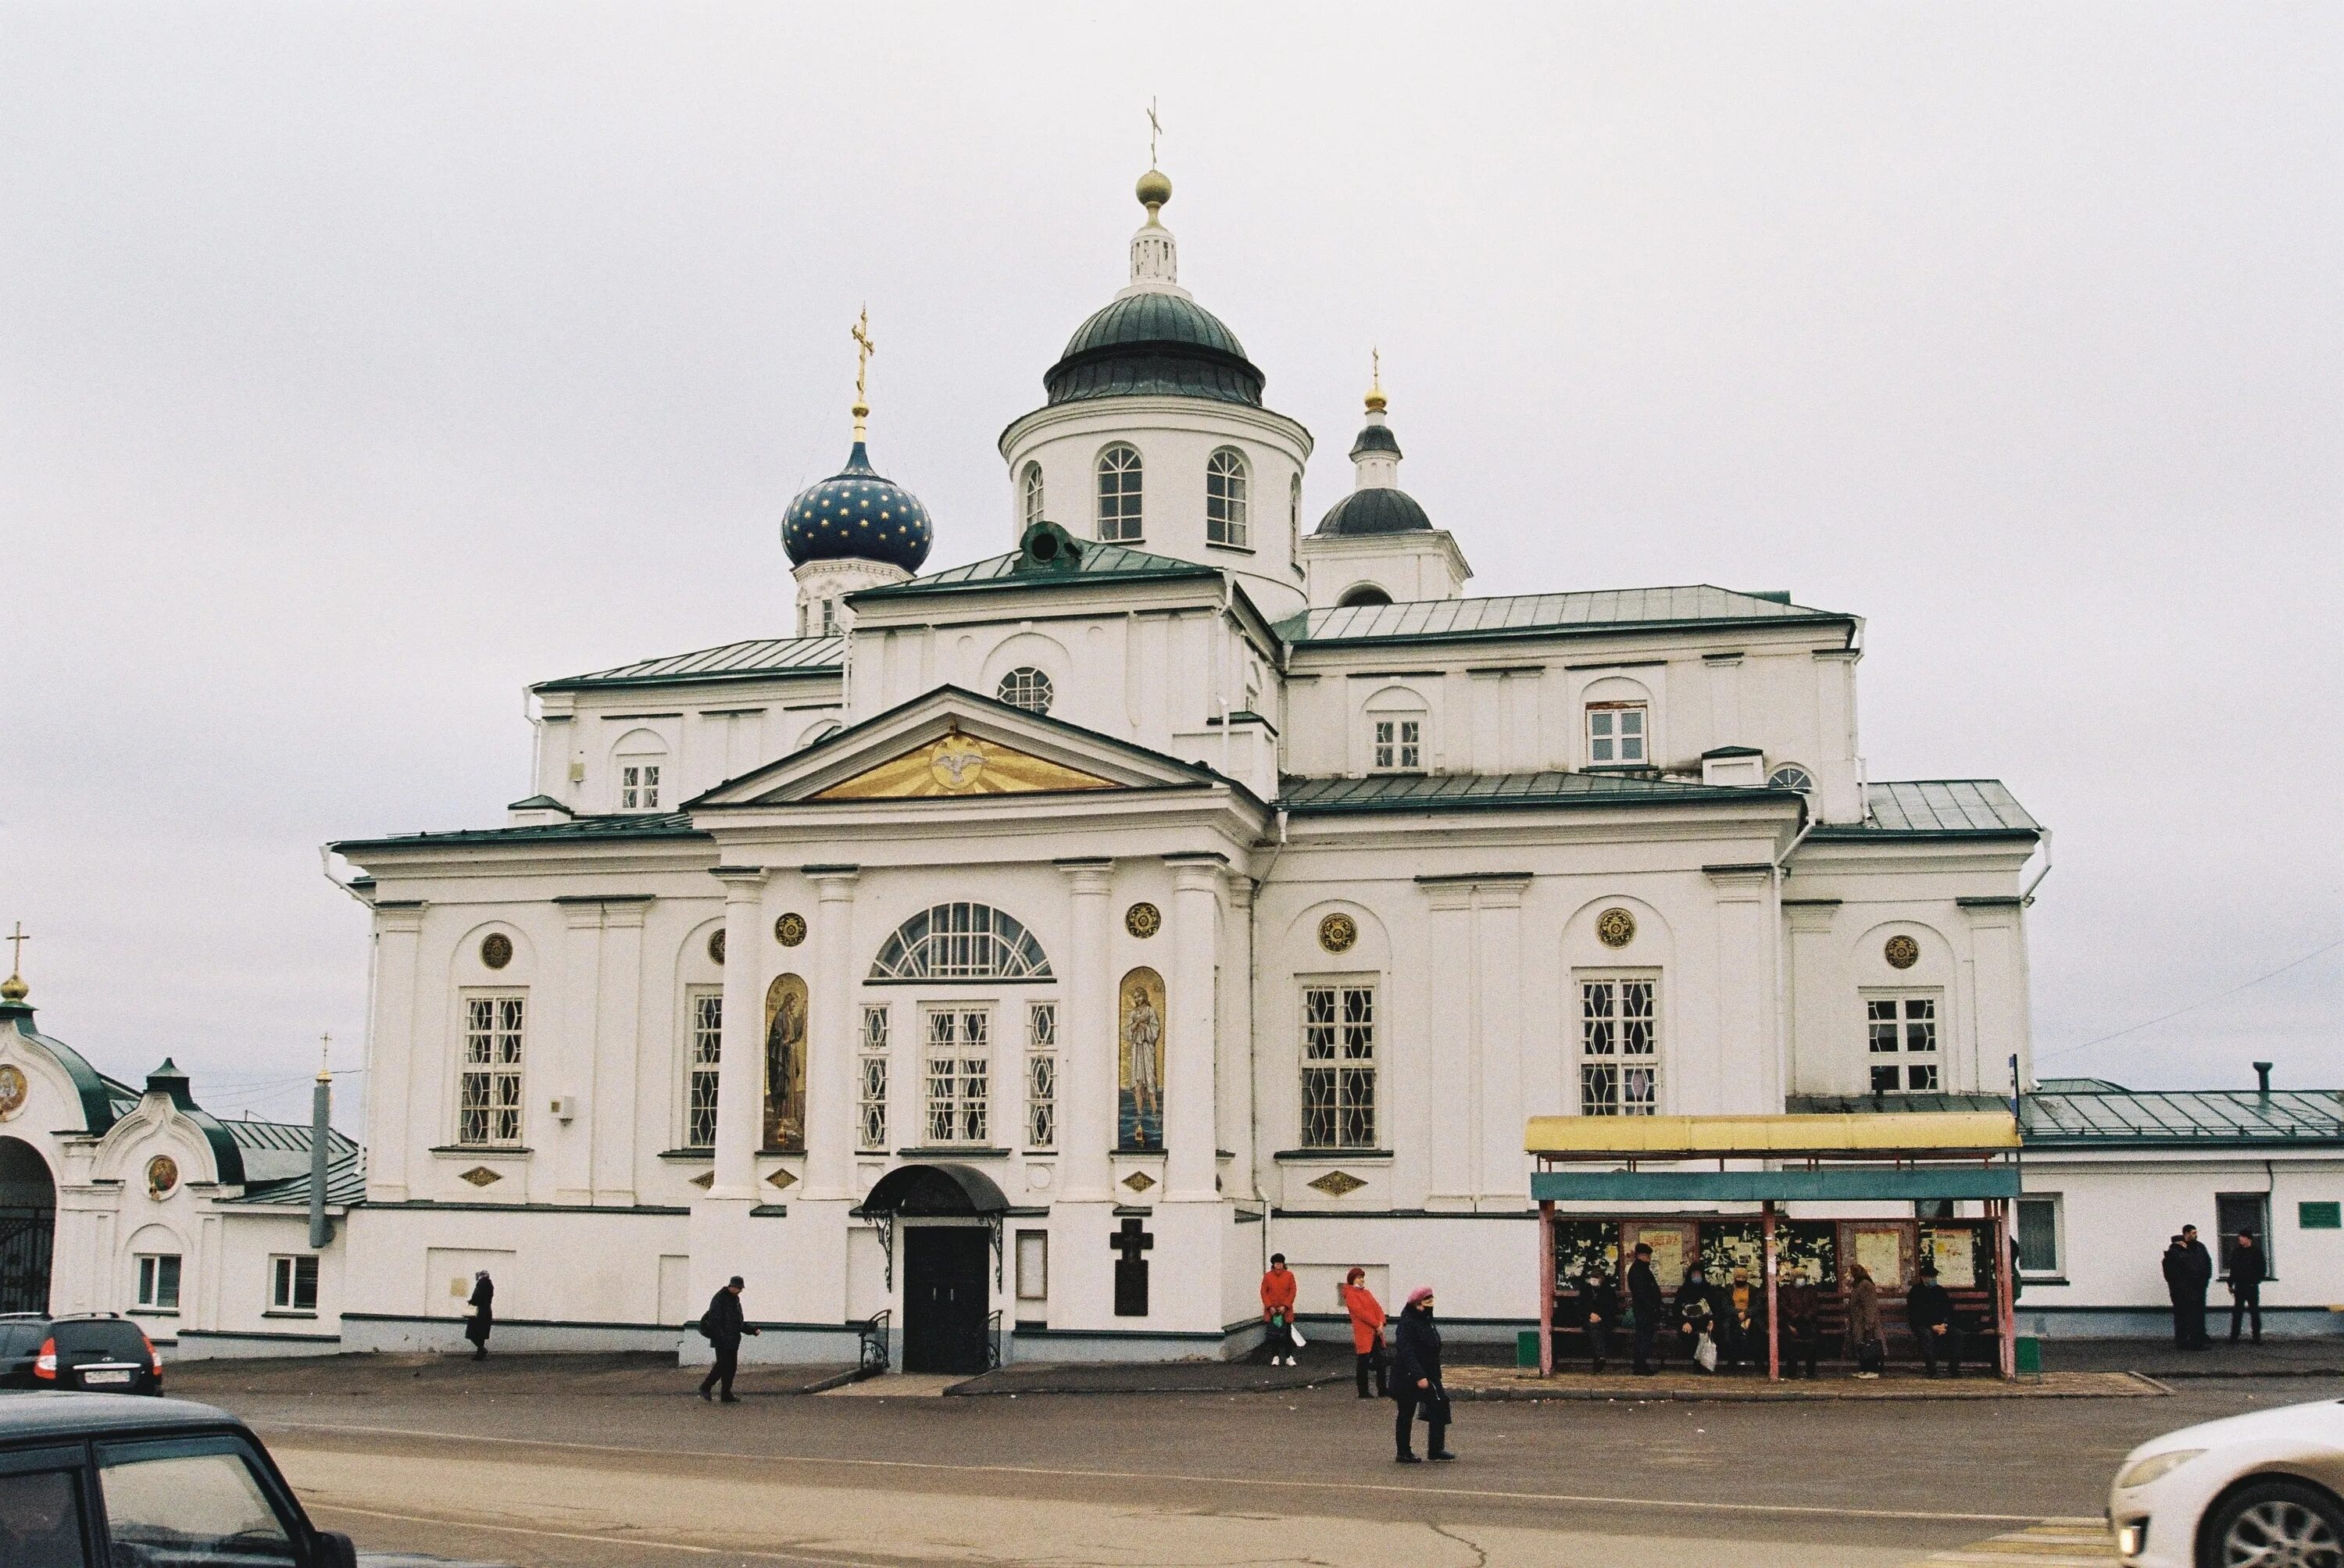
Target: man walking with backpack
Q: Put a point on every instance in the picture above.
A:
(725, 1324)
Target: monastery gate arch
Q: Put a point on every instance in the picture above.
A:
(28, 1226)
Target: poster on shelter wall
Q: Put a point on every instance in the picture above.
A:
(1139, 1050)
(785, 1063)
(1881, 1251)
(1955, 1256)
(1672, 1248)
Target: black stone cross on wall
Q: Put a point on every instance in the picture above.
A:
(1131, 1244)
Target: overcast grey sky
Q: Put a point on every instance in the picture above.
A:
(359, 364)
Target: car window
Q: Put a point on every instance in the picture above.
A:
(22, 1339)
(41, 1521)
(188, 1511)
(105, 1336)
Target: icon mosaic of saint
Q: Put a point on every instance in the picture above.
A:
(785, 1063)
(1140, 1120)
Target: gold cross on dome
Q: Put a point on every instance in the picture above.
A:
(1155, 129)
(17, 959)
(864, 348)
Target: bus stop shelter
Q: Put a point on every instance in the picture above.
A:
(1623, 1168)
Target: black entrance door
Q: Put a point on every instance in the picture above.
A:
(944, 1299)
(28, 1222)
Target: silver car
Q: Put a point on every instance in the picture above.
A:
(2259, 1491)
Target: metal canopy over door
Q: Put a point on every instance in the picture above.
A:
(945, 1299)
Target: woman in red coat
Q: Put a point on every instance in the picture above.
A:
(1367, 1329)
(1277, 1308)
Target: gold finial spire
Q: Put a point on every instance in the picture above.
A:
(864, 348)
(13, 989)
(1154, 190)
(1376, 381)
(326, 1058)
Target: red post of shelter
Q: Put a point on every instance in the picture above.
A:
(1774, 1327)
(2005, 1315)
(1546, 1289)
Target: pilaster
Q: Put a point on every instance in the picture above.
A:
(1748, 1020)
(1087, 1043)
(612, 1100)
(1497, 972)
(1235, 1005)
(1189, 1095)
(393, 1126)
(571, 1142)
(1810, 1065)
(740, 1058)
(1452, 1094)
(831, 1095)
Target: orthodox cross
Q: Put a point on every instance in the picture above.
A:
(864, 348)
(17, 959)
(326, 1055)
(1155, 129)
(1130, 1245)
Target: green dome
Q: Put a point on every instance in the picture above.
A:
(1156, 343)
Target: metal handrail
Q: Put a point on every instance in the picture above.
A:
(871, 1347)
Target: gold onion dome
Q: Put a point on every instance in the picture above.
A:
(13, 989)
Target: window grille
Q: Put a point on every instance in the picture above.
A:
(1224, 500)
(1027, 688)
(1118, 494)
(1042, 1075)
(960, 1071)
(874, 1062)
(1903, 1040)
(293, 1284)
(1791, 775)
(489, 1098)
(638, 786)
(1400, 745)
(961, 942)
(1030, 500)
(1616, 733)
(707, 1049)
(1618, 1047)
(1338, 1067)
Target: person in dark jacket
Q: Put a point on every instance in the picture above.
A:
(1800, 1305)
(1416, 1380)
(1929, 1312)
(725, 1324)
(2246, 1276)
(476, 1328)
(1742, 1314)
(1599, 1310)
(1645, 1302)
(1696, 1310)
(2201, 1280)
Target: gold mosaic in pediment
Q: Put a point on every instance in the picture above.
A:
(961, 765)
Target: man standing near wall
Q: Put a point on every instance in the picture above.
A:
(2247, 1275)
(725, 1325)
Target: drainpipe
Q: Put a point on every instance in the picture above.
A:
(321, 1116)
(2026, 894)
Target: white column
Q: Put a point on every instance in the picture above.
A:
(1188, 1092)
(611, 1101)
(741, 1060)
(1237, 1045)
(393, 1125)
(570, 1144)
(1498, 938)
(1450, 1046)
(1088, 1080)
(831, 1098)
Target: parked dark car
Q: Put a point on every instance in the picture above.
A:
(99, 1479)
(97, 1351)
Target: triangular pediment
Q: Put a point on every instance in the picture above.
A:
(953, 744)
(962, 764)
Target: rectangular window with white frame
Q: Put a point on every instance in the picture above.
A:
(293, 1283)
(2039, 1251)
(1900, 1036)
(958, 1044)
(1338, 1066)
(872, 1061)
(487, 1097)
(1041, 1075)
(1616, 734)
(638, 786)
(1400, 745)
(707, 1050)
(158, 1281)
(1619, 1044)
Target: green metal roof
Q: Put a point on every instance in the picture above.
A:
(1546, 615)
(1098, 560)
(1471, 792)
(608, 828)
(1936, 808)
(345, 1180)
(279, 1151)
(2112, 1118)
(730, 661)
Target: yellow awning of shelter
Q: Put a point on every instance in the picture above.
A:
(1886, 1133)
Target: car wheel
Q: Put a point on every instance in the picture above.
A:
(2275, 1524)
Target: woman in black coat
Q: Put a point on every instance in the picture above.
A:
(1416, 1379)
(476, 1329)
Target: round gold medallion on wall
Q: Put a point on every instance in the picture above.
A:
(496, 950)
(1615, 928)
(716, 944)
(790, 930)
(162, 1176)
(1337, 932)
(1143, 920)
(1902, 952)
(14, 1089)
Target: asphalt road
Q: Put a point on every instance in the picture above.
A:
(516, 1472)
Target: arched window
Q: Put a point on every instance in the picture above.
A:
(1791, 775)
(1399, 731)
(1027, 688)
(1366, 593)
(1225, 499)
(641, 760)
(1030, 498)
(1118, 494)
(960, 942)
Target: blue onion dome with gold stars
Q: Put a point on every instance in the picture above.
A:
(856, 515)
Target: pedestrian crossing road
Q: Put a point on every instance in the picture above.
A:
(2082, 1542)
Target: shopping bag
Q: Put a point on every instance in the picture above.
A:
(1295, 1329)
(1704, 1351)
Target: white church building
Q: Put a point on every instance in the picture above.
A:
(1027, 949)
